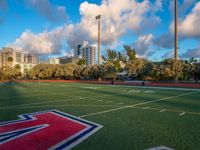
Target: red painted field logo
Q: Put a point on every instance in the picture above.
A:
(45, 130)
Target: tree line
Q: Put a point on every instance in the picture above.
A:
(115, 66)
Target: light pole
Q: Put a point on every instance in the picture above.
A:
(99, 37)
(176, 31)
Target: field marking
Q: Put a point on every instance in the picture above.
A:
(171, 110)
(163, 110)
(181, 114)
(58, 100)
(138, 104)
(53, 101)
(44, 92)
(149, 92)
(114, 106)
(91, 87)
(160, 88)
(134, 91)
(121, 86)
(159, 148)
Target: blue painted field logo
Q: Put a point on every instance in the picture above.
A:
(45, 130)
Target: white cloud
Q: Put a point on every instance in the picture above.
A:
(42, 43)
(118, 17)
(143, 44)
(189, 26)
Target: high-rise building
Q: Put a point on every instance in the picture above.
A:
(90, 55)
(78, 52)
(87, 51)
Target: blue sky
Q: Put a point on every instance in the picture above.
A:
(53, 27)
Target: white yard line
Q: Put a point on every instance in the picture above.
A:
(138, 104)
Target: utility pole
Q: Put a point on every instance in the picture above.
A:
(99, 37)
(176, 31)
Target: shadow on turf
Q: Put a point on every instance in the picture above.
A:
(8, 90)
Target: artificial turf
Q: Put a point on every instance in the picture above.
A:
(133, 118)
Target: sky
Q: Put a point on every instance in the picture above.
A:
(54, 27)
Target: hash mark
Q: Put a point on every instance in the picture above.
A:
(163, 110)
(181, 114)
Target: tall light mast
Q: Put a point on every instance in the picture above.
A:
(99, 37)
(176, 47)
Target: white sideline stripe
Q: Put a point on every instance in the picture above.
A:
(181, 114)
(53, 101)
(138, 104)
(163, 110)
(159, 148)
(100, 100)
(160, 88)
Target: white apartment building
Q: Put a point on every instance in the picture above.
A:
(54, 61)
(25, 60)
(87, 51)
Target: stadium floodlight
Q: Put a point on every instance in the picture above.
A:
(176, 47)
(99, 37)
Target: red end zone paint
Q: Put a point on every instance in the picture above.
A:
(44, 130)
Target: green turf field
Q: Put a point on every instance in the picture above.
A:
(133, 118)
